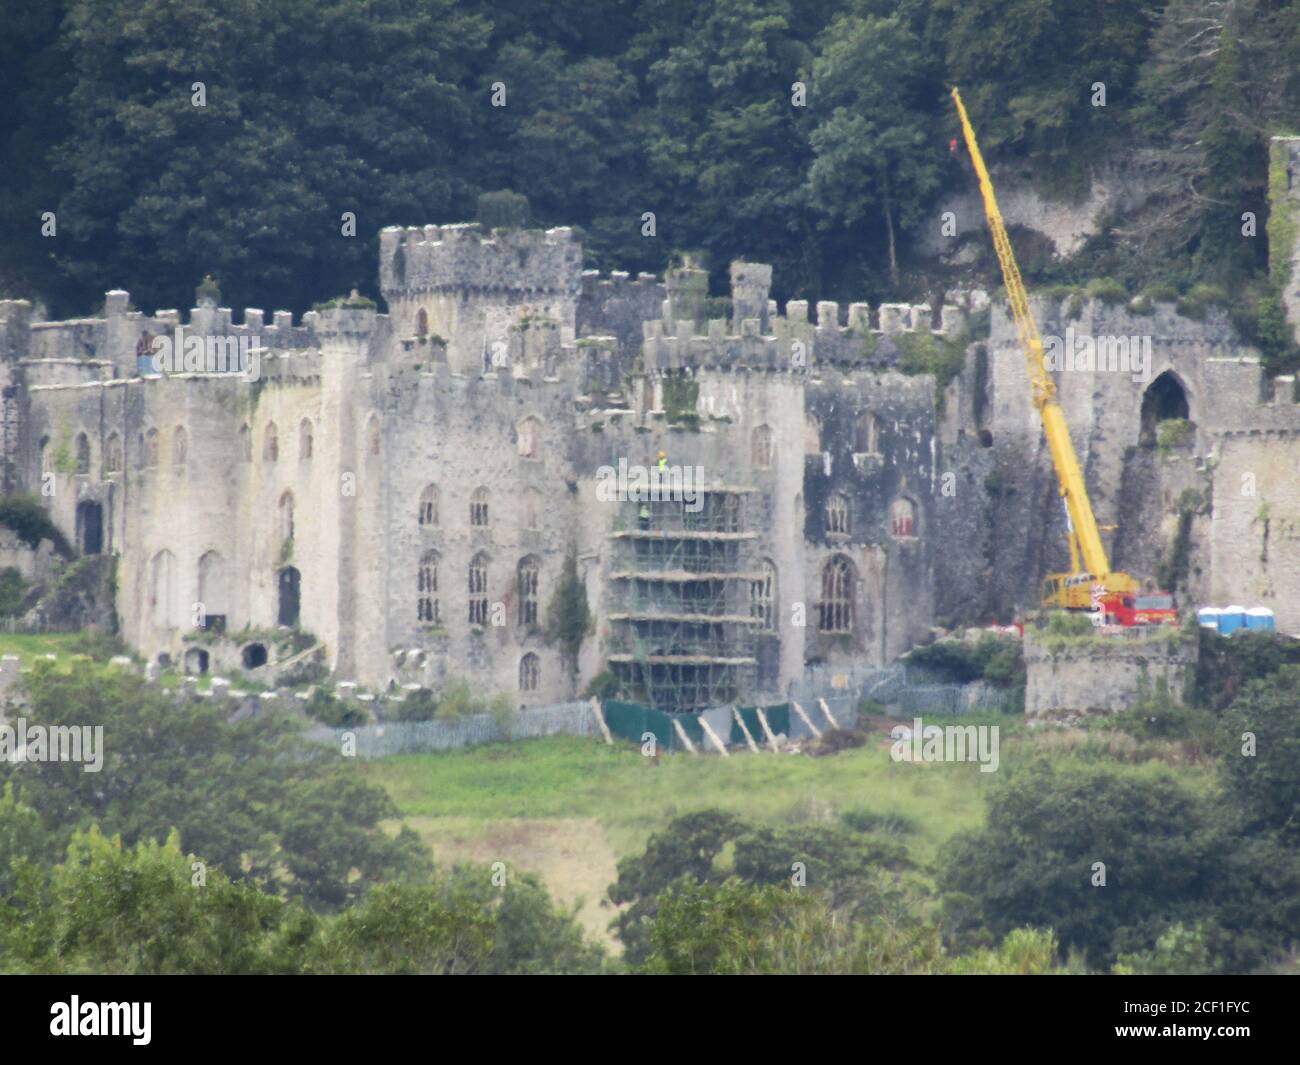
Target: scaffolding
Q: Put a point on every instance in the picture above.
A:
(682, 630)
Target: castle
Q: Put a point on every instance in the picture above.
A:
(408, 488)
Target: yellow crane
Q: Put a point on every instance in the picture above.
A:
(1089, 564)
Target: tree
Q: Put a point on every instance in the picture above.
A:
(1034, 864)
(569, 618)
(250, 795)
(22, 837)
(877, 148)
(306, 110)
(469, 922)
(1260, 763)
(145, 909)
(733, 928)
(684, 851)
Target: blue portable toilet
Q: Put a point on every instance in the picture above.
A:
(1259, 617)
(1231, 618)
(1208, 617)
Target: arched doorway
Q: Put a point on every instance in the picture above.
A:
(90, 528)
(254, 656)
(290, 581)
(1164, 400)
(196, 661)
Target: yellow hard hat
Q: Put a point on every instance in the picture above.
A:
(663, 454)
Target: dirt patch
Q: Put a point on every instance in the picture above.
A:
(571, 855)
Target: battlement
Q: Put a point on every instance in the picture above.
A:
(463, 257)
(791, 341)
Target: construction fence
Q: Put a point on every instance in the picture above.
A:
(828, 697)
(418, 737)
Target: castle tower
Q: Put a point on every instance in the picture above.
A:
(472, 289)
(750, 285)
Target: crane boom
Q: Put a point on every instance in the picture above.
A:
(1085, 538)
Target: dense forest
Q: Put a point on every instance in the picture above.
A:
(176, 138)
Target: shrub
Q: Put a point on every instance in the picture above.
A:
(12, 590)
(327, 708)
(604, 685)
(418, 705)
(1172, 433)
(1106, 289)
(1199, 299)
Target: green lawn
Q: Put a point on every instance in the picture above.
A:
(29, 645)
(631, 796)
(568, 809)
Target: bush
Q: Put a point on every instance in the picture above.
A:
(12, 591)
(892, 822)
(1106, 290)
(418, 705)
(327, 708)
(1161, 293)
(1067, 623)
(604, 685)
(1172, 433)
(924, 353)
(1199, 299)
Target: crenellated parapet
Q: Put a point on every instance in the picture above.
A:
(848, 336)
(462, 257)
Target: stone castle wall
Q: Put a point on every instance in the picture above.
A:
(1098, 675)
(504, 373)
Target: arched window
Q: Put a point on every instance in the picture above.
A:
(151, 448)
(180, 446)
(866, 435)
(372, 435)
(837, 514)
(836, 608)
(530, 438)
(903, 517)
(478, 508)
(304, 440)
(527, 587)
(428, 609)
(429, 506)
(83, 453)
(245, 444)
(422, 323)
(113, 454)
(812, 435)
(271, 444)
(761, 447)
(286, 516)
(478, 604)
(762, 597)
(532, 516)
(45, 452)
(530, 671)
(162, 589)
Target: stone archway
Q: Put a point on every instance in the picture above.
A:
(90, 527)
(290, 596)
(1164, 400)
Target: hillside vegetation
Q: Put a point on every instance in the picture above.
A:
(191, 137)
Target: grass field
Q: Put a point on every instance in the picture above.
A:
(29, 645)
(568, 809)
